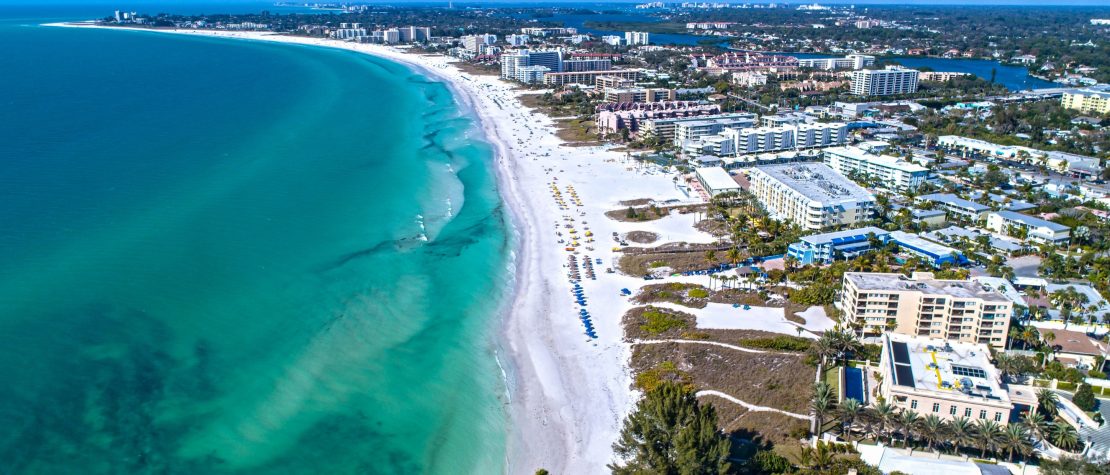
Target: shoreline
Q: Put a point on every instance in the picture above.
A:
(556, 420)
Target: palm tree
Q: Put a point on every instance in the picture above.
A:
(1047, 400)
(988, 434)
(823, 349)
(932, 429)
(711, 257)
(845, 342)
(1029, 335)
(1064, 436)
(734, 256)
(908, 420)
(1035, 423)
(823, 456)
(849, 410)
(804, 459)
(961, 432)
(885, 415)
(1006, 364)
(1013, 336)
(822, 405)
(1014, 437)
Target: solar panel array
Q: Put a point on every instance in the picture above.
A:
(903, 375)
(969, 371)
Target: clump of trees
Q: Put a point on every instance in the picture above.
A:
(669, 432)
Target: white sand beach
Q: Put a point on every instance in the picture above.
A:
(569, 393)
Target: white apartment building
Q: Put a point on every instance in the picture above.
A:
(811, 195)
(820, 134)
(1034, 228)
(523, 65)
(474, 43)
(743, 140)
(612, 40)
(686, 131)
(893, 172)
(941, 76)
(923, 306)
(749, 78)
(348, 33)
(415, 34)
(884, 82)
(517, 40)
(945, 379)
(852, 61)
(587, 64)
(633, 38)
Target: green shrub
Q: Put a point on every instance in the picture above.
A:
(659, 322)
(1085, 398)
(657, 264)
(779, 342)
(1065, 386)
(698, 293)
(869, 352)
(1096, 374)
(766, 461)
(664, 371)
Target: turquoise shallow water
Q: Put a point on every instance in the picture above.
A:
(222, 256)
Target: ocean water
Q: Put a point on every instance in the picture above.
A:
(221, 256)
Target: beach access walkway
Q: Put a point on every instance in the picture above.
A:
(751, 407)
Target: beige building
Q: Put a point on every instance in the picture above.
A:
(589, 77)
(921, 305)
(941, 378)
(638, 94)
(1087, 101)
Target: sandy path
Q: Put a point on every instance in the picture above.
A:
(751, 407)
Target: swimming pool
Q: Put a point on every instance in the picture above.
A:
(853, 384)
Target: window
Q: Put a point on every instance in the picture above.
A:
(913, 404)
(967, 412)
(936, 407)
(982, 413)
(952, 410)
(998, 417)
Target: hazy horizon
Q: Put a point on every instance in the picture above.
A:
(140, 3)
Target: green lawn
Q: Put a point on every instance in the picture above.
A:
(832, 378)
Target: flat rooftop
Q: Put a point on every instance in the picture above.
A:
(1032, 220)
(918, 243)
(880, 160)
(715, 120)
(818, 182)
(944, 367)
(924, 282)
(716, 117)
(949, 198)
(717, 178)
(847, 235)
